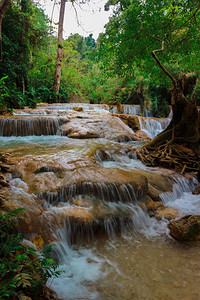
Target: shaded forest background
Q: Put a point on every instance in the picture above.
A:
(103, 71)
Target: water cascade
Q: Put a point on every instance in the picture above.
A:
(93, 199)
(30, 126)
(153, 126)
(99, 108)
(131, 109)
(105, 192)
(128, 109)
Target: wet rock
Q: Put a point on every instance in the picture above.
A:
(168, 213)
(186, 228)
(3, 158)
(47, 169)
(16, 174)
(151, 213)
(34, 125)
(4, 183)
(153, 206)
(161, 181)
(154, 193)
(102, 155)
(141, 134)
(120, 108)
(5, 168)
(131, 121)
(83, 134)
(196, 190)
(79, 109)
(107, 126)
(89, 215)
(107, 184)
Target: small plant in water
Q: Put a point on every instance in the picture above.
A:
(23, 273)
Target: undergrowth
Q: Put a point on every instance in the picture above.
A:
(23, 272)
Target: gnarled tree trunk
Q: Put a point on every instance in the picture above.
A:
(178, 146)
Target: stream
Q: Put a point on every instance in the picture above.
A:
(79, 179)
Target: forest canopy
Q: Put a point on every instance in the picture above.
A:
(118, 67)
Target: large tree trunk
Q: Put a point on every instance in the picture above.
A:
(4, 4)
(60, 48)
(183, 127)
(178, 146)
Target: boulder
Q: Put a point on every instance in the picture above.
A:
(131, 121)
(153, 206)
(5, 168)
(106, 126)
(196, 190)
(168, 213)
(106, 184)
(154, 194)
(186, 228)
(141, 134)
(4, 183)
(79, 109)
(120, 108)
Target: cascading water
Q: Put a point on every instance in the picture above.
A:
(182, 198)
(30, 126)
(81, 194)
(128, 109)
(132, 110)
(153, 127)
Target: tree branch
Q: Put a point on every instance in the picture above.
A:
(161, 65)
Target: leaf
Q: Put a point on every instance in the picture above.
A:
(22, 296)
(38, 241)
(12, 285)
(24, 280)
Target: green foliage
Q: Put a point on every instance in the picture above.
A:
(138, 28)
(22, 271)
(23, 30)
(118, 68)
(44, 94)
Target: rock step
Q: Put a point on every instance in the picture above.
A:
(27, 126)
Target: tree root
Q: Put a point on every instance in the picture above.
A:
(172, 156)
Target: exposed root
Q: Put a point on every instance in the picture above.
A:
(170, 155)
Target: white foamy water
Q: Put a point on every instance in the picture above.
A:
(18, 183)
(152, 126)
(80, 270)
(181, 197)
(141, 262)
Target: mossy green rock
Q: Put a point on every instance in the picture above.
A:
(186, 228)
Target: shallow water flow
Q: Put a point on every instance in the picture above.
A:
(85, 195)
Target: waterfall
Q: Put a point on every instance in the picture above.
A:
(132, 109)
(30, 126)
(153, 127)
(106, 192)
(147, 113)
(80, 269)
(99, 108)
(128, 109)
(90, 214)
(181, 197)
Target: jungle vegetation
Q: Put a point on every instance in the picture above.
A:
(118, 67)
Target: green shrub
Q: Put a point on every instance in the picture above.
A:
(22, 271)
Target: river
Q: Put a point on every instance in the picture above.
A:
(88, 186)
